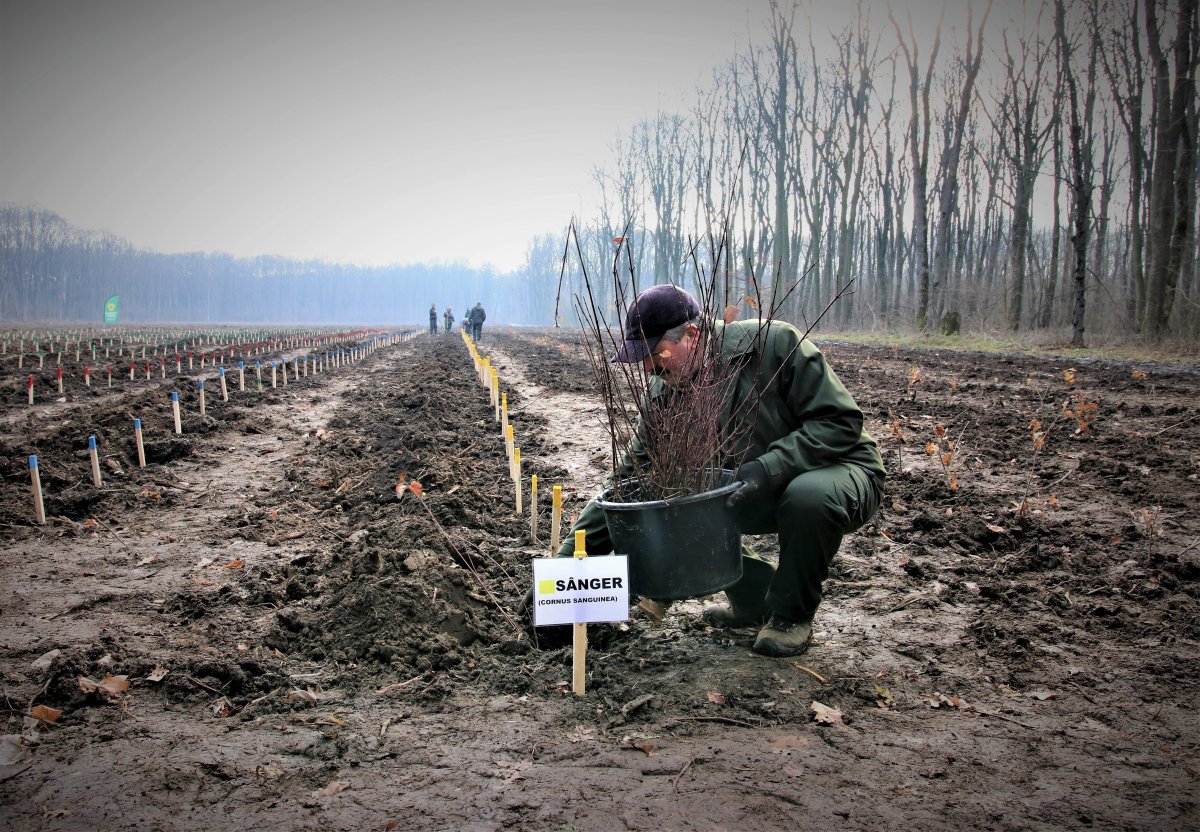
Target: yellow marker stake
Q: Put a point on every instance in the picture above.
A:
(504, 413)
(516, 468)
(555, 519)
(579, 642)
(508, 443)
(494, 392)
(533, 509)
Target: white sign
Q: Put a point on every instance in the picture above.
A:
(579, 590)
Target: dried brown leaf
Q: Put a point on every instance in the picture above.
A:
(716, 698)
(45, 713)
(334, 787)
(826, 715)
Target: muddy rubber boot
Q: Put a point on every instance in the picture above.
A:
(727, 615)
(781, 637)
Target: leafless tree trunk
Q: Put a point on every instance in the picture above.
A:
(1171, 195)
(1023, 137)
(949, 164)
(1125, 68)
(1080, 142)
(918, 146)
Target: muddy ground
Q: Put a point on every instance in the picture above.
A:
(1010, 644)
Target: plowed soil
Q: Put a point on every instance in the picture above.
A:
(1010, 644)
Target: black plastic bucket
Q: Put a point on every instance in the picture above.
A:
(681, 548)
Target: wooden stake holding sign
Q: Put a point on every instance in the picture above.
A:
(579, 640)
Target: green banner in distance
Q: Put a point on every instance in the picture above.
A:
(110, 309)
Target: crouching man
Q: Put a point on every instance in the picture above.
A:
(811, 473)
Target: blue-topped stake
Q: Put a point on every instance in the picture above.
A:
(96, 480)
(39, 510)
(137, 439)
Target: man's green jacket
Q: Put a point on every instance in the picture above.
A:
(805, 418)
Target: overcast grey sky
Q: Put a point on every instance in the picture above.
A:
(364, 132)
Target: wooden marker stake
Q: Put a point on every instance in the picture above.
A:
(579, 642)
(31, 388)
(201, 384)
(508, 443)
(137, 439)
(175, 410)
(87, 376)
(39, 510)
(555, 519)
(96, 480)
(504, 413)
(516, 469)
(60, 389)
(224, 389)
(533, 518)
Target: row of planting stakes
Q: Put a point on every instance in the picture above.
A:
(490, 379)
(330, 361)
(247, 344)
(302, 367)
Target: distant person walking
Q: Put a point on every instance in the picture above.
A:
(448, 317)
(433, 319)
(477, 316)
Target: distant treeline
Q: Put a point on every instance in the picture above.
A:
(52, 271)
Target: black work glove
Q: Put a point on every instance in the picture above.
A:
(754, 477)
